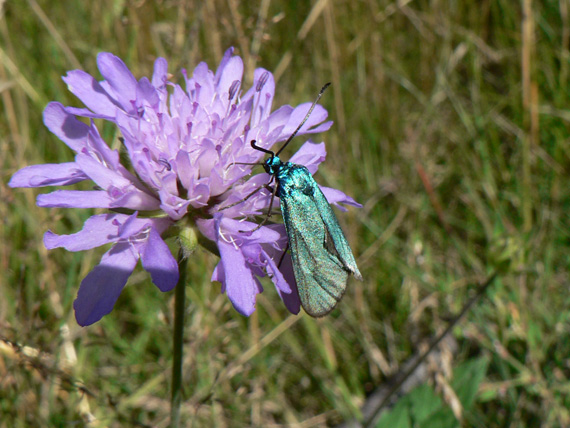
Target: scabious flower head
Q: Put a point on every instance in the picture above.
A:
(186, 149)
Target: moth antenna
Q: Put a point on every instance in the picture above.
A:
(243, 163)
(304, 120)
(261, 149)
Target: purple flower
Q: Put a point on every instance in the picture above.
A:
(186, 151)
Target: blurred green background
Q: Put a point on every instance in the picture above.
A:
(451, 128)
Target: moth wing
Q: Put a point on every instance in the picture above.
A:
(335, 233)
(321, 276)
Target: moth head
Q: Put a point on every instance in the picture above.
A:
(272, 165)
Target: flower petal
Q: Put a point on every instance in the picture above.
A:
(335, 197)
(239, 283)
(102, 286)
(275, 274)
(65, 126)
(97, 230)
(239, 232)
(230, 69)
(90, 92)
(130, 226)
(310, 126)
(160, 74)
(50, 174)
(146, 94)
(84, 112)
(75, 199)
(310, 155)
(119, 188)
(238, 279)
(157, 259)
(218, 275)
(119, 78)
(99, 173)
(291, 300)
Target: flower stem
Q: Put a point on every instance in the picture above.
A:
(177, 339)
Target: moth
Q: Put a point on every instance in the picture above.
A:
(322, 258)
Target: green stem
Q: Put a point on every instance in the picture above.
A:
(177, 339)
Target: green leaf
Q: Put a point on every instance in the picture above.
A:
(424, 402)
(398, 417)
(466, 380)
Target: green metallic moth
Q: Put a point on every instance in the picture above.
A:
(322, 258)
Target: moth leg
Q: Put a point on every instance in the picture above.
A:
(274, 191)
(248, 196)
(242, 200)
(281, 259)
(283, 256)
